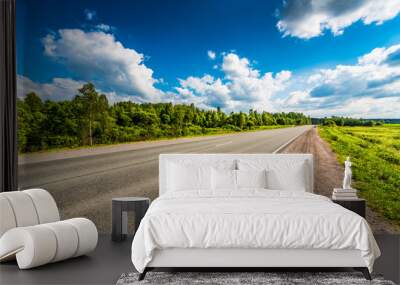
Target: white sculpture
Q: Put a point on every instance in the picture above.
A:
(347, 174)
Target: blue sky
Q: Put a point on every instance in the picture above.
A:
(318, 57)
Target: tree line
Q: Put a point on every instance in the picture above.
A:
(345, 121)
(89, 119)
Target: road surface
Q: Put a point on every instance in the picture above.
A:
(84, 181)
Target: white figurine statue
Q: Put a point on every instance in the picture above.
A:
(347, 174)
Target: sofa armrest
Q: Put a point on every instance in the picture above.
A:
(32, 246)
(40, 244)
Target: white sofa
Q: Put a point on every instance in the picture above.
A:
(31, 231)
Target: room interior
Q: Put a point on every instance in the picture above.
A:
(256, 202)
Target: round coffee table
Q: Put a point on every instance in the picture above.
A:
(120, 208)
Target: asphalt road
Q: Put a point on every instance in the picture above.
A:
(84, 181)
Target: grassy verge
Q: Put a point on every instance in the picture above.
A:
(375, 152)
(209, 132)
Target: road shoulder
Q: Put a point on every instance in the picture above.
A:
(328, 174)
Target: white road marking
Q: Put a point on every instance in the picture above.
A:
(288, 142)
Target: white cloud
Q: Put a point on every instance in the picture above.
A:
(248, 85)
(211, 54)
(235, 67)
(370, 88)
(365, 107)
(104, 27)
(310, 18)
(90, 14)
(61, 89)
(212, 91)
(379, 55)
(99, 57)
(242, 87)
(58, 89)
(296, 98)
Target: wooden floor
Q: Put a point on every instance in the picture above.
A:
(111, 259)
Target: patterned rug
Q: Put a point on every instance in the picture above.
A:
(273, 278)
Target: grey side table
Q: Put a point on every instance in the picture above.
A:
(120, 208)
(355, 205)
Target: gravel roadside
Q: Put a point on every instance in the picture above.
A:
(329, 174)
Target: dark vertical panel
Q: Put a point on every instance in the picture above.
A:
(8, 117)
(116, 234)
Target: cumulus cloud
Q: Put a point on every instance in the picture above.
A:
(374, 75)
(365, 107)
(390, 55)
(211, 54)
(58, 89)
(236, 67)
(369, 88)
(241, 88)
(121, 74)
(212, 91)
(97, 56)
(310, 18)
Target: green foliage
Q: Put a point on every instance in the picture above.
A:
(331, 123)
(376, 163)
(88, 119)
(343, 121)
(92, 109)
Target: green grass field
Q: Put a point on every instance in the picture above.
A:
(375, 153)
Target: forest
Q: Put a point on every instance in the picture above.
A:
(348, 122)
(89, 119)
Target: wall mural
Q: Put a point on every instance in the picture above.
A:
(104, 88)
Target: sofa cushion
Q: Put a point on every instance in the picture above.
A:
(67, 239)
(7, 220)
(26, 208)
(23, 208)
(41, 244)
(46, 207)
(32, 246)
(30, 230)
